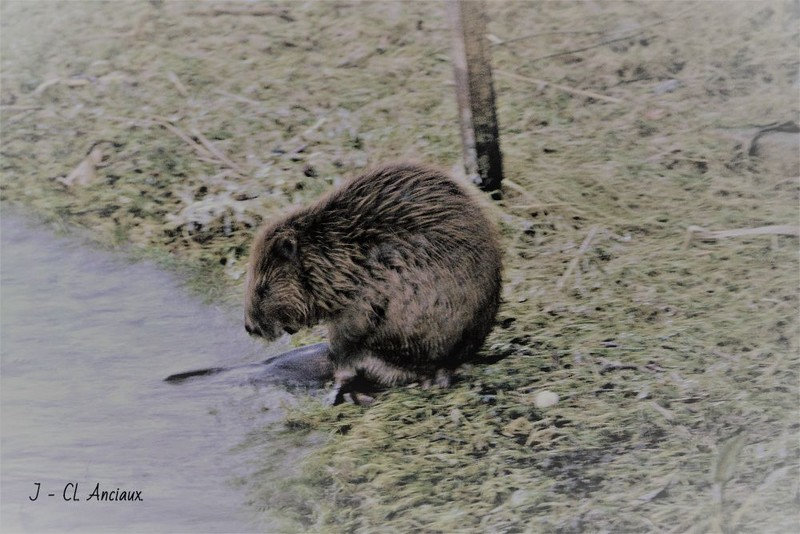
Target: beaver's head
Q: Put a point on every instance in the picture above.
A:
(275, 300)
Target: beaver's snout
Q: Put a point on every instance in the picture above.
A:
(252, 330)
(267, 329)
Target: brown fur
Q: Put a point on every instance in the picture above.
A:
(400, 263)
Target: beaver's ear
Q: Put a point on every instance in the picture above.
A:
(286, 246)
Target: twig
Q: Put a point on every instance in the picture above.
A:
(177, 83)
(268, 12)
(518, 188)
(42, 87)
(586, 32)
(668, 415)
(13, 107)
(207, 151)
(574, 262)
(302, 137)
(660, 491)
(616, 237)
(585, 48)
(639, 31)
(543, 205)
(184, 136)
(217, 152)
(240, 98)
(590, 94)
(779, 229)
(314, 126)
(611, 365)
(540, 34)
(783, 229)
(536, 205)
(69, 82)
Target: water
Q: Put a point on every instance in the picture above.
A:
(85, 341)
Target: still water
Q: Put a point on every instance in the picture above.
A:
(85, 341)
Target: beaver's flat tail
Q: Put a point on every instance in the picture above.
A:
(180, 377)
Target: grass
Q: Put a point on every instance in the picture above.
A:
(676, 367)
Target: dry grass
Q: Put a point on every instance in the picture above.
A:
(677, 367)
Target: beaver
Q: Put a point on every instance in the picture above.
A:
(400, 262)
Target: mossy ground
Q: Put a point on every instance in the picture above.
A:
(677, 367)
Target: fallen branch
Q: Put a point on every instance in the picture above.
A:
(702, 233)
(574, 262)
(581, 92)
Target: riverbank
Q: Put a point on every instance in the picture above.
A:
(86, 339)
(177, 130)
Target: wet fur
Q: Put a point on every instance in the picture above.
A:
(401, 264)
